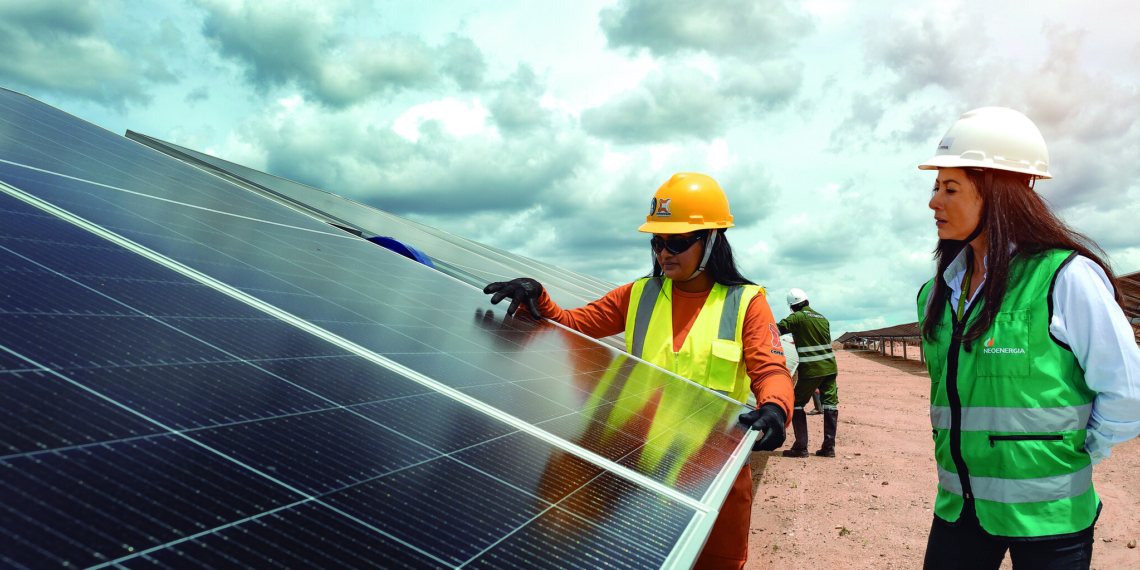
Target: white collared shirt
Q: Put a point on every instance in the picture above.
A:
(1087, 318)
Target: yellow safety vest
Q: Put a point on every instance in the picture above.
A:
(712, 354)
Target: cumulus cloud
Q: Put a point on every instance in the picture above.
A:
(198, 95)
(517, 106)
(61, 46)
(752, 28)
(945, 52)
(350, 152)
(677, 104)
(306, 44)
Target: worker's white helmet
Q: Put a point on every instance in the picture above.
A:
(796, 296)
(993, 137)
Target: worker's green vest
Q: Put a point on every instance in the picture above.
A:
(1010, 413)
(712, 354)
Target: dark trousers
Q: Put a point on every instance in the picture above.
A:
(967, 546)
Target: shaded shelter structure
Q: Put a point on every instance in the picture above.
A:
(884, 339)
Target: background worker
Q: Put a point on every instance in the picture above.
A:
(817, 370)
(673, 320)
(1035, 373)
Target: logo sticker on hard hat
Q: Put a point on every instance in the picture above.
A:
(946, 143)
(662, 208)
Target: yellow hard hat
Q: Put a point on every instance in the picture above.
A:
(687, 202)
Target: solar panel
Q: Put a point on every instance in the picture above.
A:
(483, 263)
(214, 380)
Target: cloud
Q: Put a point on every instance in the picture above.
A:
(517, 106)
(305, 44)
(463, 61)
(946, 52)
(748, 28)
(766, 85)
(681, 103)
(198, 95)
(62, 47)
(347, 151)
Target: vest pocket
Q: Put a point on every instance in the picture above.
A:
(996, 438)
(1004, 349)
(724, 365)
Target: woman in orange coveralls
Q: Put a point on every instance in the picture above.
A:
(673, 319)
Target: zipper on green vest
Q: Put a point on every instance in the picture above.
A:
(1054, 437)
(959, 328)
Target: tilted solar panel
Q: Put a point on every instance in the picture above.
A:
(208, 380)
(486, 264)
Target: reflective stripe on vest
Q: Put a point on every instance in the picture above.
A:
(816, 358)
(1012, 491)
(803, 349)
(1021, 420)
(645, 306)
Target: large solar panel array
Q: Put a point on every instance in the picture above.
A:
(195, 376)
(465, 259)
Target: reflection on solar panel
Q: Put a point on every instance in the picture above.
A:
(464, 259)
(195, 376)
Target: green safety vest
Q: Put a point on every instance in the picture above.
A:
(1009, 415)
(812, 333)
(712, 354)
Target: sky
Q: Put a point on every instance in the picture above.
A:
(545, 127)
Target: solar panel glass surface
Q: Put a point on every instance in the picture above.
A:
(319, 372)
(487, 264)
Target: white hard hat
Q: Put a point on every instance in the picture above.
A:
(796, 296)
(993, 137)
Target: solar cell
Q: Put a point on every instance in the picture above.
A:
(332, 386)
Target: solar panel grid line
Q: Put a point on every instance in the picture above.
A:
(203, 208)
(229, 176)
(335, 405)
(109, 137)
(352, 347)
(522, 526)
(171, 431)
(315, 499)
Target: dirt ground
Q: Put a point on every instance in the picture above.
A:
(870, 507)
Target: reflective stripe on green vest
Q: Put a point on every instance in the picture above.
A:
(1011, 412)
(712, 354)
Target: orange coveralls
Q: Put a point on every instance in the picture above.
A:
(727, 547)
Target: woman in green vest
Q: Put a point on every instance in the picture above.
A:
(1035, 373)
(697, 317)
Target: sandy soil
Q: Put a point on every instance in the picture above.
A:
(870, 507)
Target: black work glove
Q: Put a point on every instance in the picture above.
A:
(769, 419)
(523, 290)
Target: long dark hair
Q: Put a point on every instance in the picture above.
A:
(1013, 213)
(721, 266)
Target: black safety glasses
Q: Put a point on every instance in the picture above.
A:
(674, 245)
